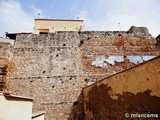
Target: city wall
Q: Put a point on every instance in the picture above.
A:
(53, 68)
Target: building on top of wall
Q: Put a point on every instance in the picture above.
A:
(43, 26)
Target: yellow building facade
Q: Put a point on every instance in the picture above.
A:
(42, 26)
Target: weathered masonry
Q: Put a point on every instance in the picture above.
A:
(120, 96)
(53, 68)
(5, 64)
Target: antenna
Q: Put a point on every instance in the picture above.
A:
(38, 15)
(119, 26)
(77, 18)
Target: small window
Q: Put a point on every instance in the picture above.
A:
(43, 32)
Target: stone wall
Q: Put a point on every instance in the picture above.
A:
(125, 95)
(47, 69)
(54, 68)
(5, 64)
(107, 53)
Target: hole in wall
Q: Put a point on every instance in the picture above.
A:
(57, 55)
(75, 103)
(119, 35)
(88, 38)
(86, 80)
(64, 68)
(44, 71)
(53, 86)
(64, 44)
(81, 42)
(31, 81)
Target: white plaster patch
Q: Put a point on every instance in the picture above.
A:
(99, 62)
(135, 59)
(145, 58)
(112, 59)
(139, 59)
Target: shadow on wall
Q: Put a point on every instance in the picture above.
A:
(106, 108)
(77, 112)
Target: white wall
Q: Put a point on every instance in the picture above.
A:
(15, 108)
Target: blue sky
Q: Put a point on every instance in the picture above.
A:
(104, 15)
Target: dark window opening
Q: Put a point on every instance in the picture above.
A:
(43, 32)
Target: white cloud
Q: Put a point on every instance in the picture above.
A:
(98, 15)
(126, 12)
(13, 18)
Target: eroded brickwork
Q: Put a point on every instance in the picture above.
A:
(95, 51)
(5, 64)
(118, 97)
(54, 68)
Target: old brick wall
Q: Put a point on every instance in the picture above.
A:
(134, 91)
(6, 64)
(46, 68)
(121, 47)
(54, 68)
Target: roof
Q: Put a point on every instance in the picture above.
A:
(6, 40)
(13, 35)
(16, 96)
(37, 114)
(58, 20)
